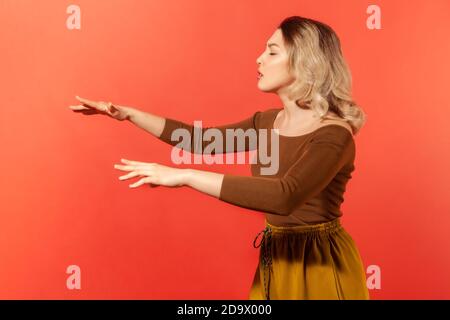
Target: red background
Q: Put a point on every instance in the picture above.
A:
(61, 202)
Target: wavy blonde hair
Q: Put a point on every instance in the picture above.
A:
(323, 79)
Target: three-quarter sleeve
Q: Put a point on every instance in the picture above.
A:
(324, 155)
(200, 139)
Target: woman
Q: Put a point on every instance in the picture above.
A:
(305, 252)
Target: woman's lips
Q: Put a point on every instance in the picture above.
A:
(260, 75)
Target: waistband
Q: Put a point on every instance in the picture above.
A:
(320, 227)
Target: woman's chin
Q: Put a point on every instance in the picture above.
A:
(263, 88)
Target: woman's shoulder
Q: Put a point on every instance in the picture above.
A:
(337, 133)
(336, 125)
(332, 123)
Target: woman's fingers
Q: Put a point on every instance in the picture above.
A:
(89, 103)
(150, 180)
(100, 106)
(134, 162)
(130, 175)
(132, 167)
(137, 168)
(84, 110)
(124, 168)
(78, 107)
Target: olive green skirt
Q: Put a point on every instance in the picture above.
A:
(318, 262)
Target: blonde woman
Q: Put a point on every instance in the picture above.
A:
(305, 253)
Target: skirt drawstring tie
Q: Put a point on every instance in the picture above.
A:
(267, 256)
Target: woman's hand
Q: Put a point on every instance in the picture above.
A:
(89, 107)
(152, 173)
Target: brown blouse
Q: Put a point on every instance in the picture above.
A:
(308, 188)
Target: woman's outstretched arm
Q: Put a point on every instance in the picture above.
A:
(324, 156)
(168, 130)
(199, 141)
(322, 159)
(204, 181)
(144, 120)
(163, 128)
(149, 122)
(158, 174)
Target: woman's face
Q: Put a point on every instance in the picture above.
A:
(273, 65)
